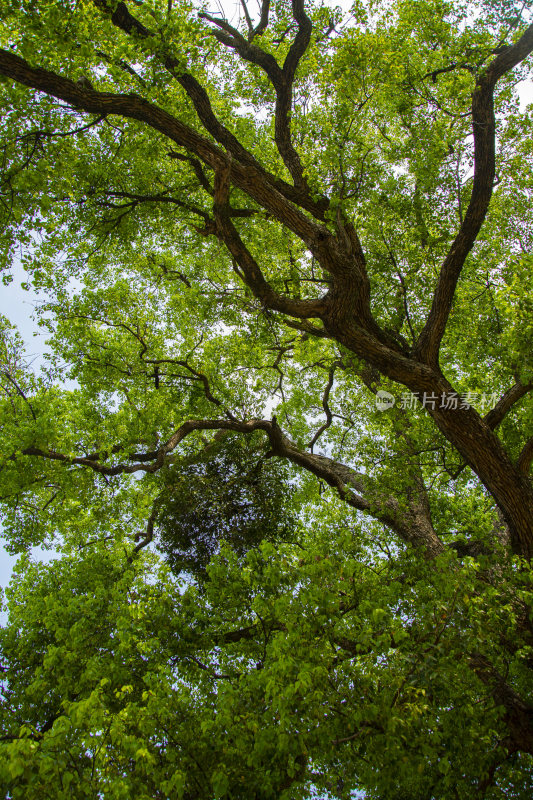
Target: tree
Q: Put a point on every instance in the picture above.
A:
(312, 230)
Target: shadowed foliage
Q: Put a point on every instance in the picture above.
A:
(230, 492)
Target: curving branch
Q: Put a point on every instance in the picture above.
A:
(263, 21)
(262, 25)
(250, 178)
(247, 267)
(149, 533)
(40, 133)
(283, 137)
(134, 199)
(197, 167)
(199, 376)
(325, 406)
(495, 416)
(301, 40)
(18, 390)
(484, 132)
(229, 36)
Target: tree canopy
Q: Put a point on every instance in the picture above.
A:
(282, 440)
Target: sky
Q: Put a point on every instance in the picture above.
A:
(19, 305)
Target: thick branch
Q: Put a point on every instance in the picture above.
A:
(301, 41)
(463, 427)
(283, 137)
(526, 457)
(483, 125)
(282, 80)
(505, 403)
(263, 22)
(229, 36)
(249, 270)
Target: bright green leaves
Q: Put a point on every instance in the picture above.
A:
(289, 655)
(516, 305)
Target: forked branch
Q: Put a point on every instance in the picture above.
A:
(251, 179)
(231, 37)
(282, 79)
(247, 267)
